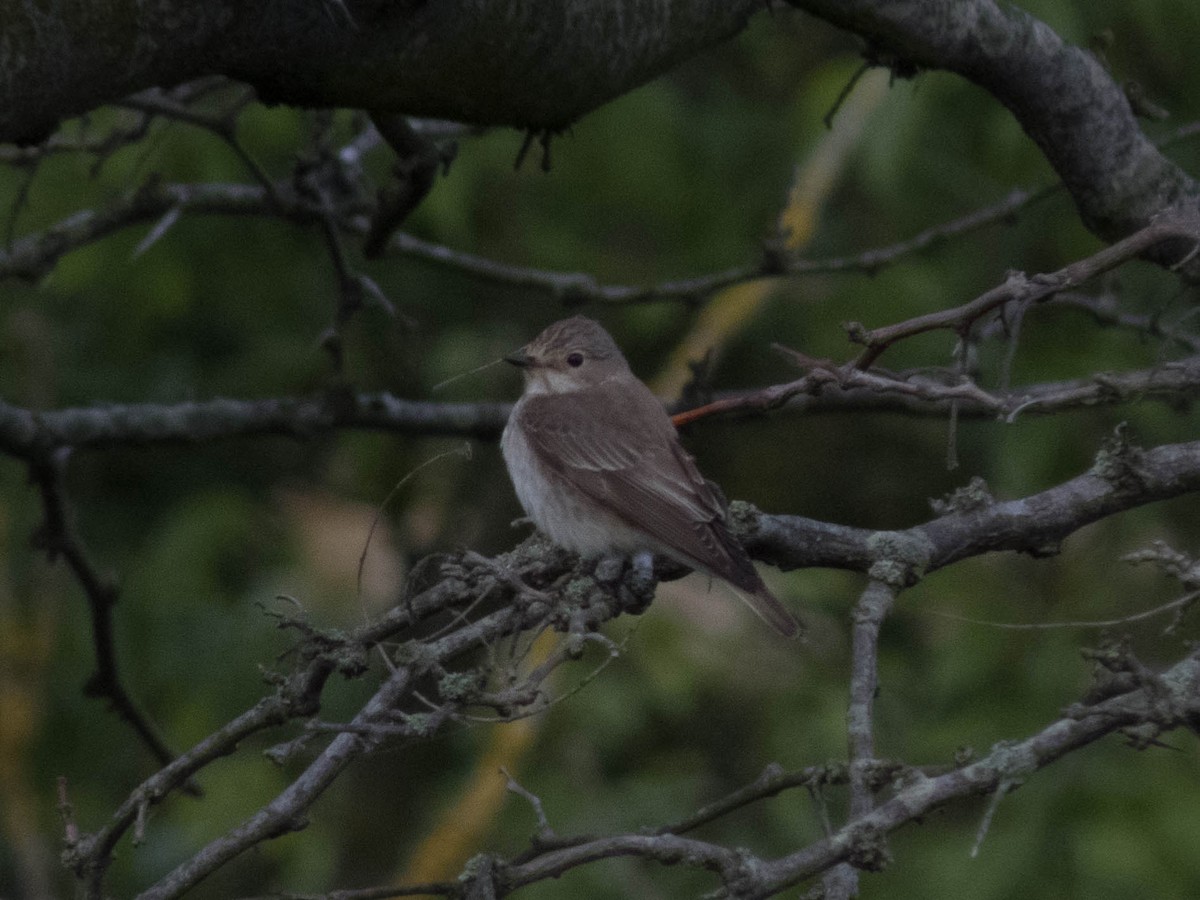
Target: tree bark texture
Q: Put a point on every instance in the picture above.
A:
(525, 63)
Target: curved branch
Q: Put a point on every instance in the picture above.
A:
(33, 256)
(577, 288)
(1063, 98)
(668, 849)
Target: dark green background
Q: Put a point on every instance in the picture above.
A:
(680, 178)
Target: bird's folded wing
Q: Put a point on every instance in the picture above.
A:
(630, 461)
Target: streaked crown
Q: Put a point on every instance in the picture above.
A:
(568, 356)
(577, 333)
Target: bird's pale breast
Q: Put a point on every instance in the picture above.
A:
(568, 517)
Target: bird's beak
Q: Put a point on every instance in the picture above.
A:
(520, 359)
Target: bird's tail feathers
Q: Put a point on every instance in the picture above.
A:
(764, 605)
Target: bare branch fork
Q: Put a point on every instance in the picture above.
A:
(1160, 702)
(1171, 701)
(1181, 226)
(383, 718)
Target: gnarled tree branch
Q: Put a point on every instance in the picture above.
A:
(1062, 96)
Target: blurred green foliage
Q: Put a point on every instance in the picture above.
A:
(682, 177)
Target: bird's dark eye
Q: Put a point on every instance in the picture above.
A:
(575, 360)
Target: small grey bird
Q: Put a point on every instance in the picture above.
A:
(597, 465)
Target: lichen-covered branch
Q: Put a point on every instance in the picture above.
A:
(538, 586)
(1123, 477)
(582, 604)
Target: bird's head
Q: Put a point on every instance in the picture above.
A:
(569, 355)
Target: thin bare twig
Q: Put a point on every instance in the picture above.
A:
(1177, 605)
(1105, 311)
(825, 376)
(1022, 289)
(772, 781)
(60, 540)
(544, 831)
(223, 125)
(576, 288)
